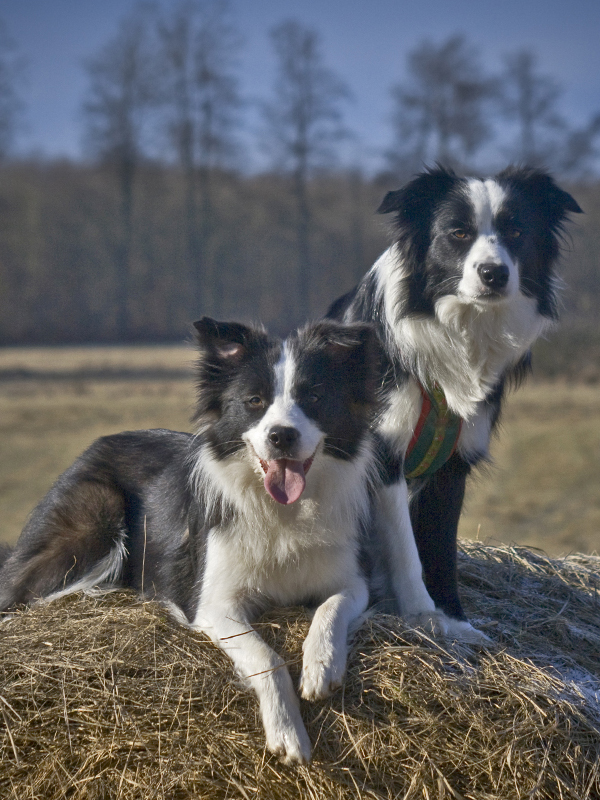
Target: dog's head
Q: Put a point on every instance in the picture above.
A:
(482, 240)
(281, 404)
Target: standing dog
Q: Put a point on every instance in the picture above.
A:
(264, 506)
(458, 300)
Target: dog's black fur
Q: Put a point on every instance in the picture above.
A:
(457, 301)
(266, 505)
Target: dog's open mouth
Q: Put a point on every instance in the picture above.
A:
(285, 478)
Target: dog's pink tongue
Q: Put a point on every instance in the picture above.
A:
(285, 480)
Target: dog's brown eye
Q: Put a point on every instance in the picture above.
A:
(460, 234)
(515, 233)
(256, 402)
(313, 397)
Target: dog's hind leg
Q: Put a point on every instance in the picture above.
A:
(73, 540)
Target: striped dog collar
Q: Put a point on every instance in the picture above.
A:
(435, 436)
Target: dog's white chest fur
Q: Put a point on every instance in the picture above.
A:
(276, 567)
(466, 346)
(286, 554)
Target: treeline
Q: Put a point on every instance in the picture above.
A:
(60, 227)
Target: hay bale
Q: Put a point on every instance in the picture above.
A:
(108, 698)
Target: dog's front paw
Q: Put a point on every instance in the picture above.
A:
(323, 668)
(285, 733)
(319, 680)
(290, 743)
(462, 631)
(433, 623)
(437, 624)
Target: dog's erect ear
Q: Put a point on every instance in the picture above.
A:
(227, 340)
(568, 202)
(414, 207)
(421, 191)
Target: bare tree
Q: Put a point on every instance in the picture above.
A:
(199, 47)
(439, 113)
(529, 99)
(11, 106)
(122, 92)
(581, 151)
(303, 122)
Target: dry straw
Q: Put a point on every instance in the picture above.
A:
(108, 698)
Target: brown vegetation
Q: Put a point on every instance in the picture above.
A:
(543, 488)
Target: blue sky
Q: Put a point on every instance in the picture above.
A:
(366, 43)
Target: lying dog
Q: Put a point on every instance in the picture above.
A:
(264, 506)
(458, 300)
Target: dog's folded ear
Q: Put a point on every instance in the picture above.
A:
(419, 194)
(226, 340)
(344, 341)
(539, 186)
(391, 202)
(222, 348)
(352, 351)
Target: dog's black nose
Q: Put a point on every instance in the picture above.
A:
(282, 437)
(495, 276)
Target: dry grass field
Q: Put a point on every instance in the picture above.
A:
(67, 360)
(543, 490)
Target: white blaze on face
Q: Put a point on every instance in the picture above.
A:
(486, 198)
(284, 476)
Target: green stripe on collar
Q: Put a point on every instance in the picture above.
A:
(435, 436)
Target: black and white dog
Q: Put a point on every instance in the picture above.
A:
(458, 300)
(264, 506)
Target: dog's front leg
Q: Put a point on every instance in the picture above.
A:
(392, 520)
(406, 575)
(326, 646)
(266, 673)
